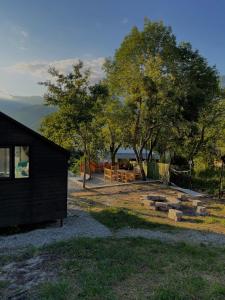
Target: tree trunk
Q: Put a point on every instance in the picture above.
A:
(113, 158)
(89, 165)
(140, 162)
(152, 146)
(149, 159)
(85, 171)
(113, 151)
(85, 164)
(221, 182)
(197, 146)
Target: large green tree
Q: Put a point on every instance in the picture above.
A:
(113, 119)
(164, 86)
(140, 74)
(77, 102)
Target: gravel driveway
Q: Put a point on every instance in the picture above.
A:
(187, 236)
(78, 224)
(82, 224)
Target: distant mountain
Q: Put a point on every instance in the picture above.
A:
(27, 110)
(30, 110)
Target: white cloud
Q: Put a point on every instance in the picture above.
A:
(39, 69)
(5, 95)
(24, 33)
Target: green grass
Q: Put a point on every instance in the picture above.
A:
(3, 284)
(215, 220)
(116, 218)
(60, 290)
(135, 269)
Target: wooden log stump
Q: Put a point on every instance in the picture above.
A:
(157, 198)
(147, 203)
(145, 197)
(183, 197)
(175, 204)
(154, 198)
(152, 207)
(201, 211)
(175, 215)
(196, 203)
(162, 206)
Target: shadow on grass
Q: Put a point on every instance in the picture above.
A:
(192, 220)
(215, 207)
(119, 218)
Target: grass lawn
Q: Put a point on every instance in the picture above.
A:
(118, 207)
(133, 269)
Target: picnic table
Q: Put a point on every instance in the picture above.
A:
(125, 175)
(121, 175)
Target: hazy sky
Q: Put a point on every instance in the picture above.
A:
(37, 33)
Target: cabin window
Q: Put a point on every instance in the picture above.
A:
(22, 162)
(4, 163)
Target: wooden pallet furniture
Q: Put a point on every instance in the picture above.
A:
(110, 174)
(125, 175)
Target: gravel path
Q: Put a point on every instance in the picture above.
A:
(78, 224)
(188, 236)
(82, 224)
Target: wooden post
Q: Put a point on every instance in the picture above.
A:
(221, 181)
(190, 162)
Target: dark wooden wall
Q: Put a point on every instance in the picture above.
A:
(42, 196)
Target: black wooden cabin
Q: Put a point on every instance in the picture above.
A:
(33, 176)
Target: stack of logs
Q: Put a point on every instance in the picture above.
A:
(200, 210)
(161, 203)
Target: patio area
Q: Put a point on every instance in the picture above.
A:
(75, 183)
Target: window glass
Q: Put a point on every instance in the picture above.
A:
(21, 162)
(4, 162)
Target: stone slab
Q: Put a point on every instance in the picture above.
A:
(162, 206)
(196, 203)
(201, 211)
(175, 215)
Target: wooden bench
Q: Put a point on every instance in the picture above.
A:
(175, 215)
(110, 174)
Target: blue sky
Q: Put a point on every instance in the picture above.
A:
(35, 34)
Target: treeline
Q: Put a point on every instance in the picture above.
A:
(157, 94)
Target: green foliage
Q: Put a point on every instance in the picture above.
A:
(113, 118)
(157, 95)
(140, 74)
(167, 89)
(75, 165)
(54, 128)
(77, 101)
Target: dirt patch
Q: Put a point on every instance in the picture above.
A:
(128, 197)
(21, 277)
